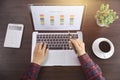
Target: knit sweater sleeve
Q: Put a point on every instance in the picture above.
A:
(91, 70)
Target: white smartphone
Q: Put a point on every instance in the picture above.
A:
(13, 35)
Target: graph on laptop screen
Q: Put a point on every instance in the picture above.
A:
(57, 17)
(52, 19)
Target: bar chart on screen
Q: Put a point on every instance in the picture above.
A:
(69, 20)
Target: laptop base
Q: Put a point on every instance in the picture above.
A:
(58, 57)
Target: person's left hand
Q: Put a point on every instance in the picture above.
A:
(39, 53)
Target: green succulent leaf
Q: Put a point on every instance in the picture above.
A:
(105, 15)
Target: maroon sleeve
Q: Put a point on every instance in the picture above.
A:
(91, 70)
(32, 72)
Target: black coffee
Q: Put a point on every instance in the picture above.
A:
(104, 46)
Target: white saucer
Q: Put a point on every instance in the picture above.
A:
(98, 52)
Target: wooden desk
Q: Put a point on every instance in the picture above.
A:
(13, 62)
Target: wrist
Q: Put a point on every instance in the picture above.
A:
(80, 54)
(36, 62)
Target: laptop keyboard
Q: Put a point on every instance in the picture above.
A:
(56, 40)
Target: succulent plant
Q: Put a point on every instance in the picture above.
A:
(105, 16)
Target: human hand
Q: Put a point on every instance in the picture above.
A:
(78, 46)
(40, 52)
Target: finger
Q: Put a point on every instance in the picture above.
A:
(46, 52)
(70, 45)
(78, 41)
(75, 44)
(36, 49)
(44, 47)
(81, 43)
(37, 46)
(40, 46)
(71, 40)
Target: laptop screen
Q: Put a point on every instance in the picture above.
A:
(57, 17)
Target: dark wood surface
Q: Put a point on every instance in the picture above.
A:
(13, 62)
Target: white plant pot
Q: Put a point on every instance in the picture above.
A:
(100, 25)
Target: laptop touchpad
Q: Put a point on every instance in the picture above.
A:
(61, 58)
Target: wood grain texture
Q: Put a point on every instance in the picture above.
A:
(13, 62)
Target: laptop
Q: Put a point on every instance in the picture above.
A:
(55, 25)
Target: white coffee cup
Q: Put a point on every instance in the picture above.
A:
(101, 53)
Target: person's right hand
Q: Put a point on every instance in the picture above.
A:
(78, 46)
